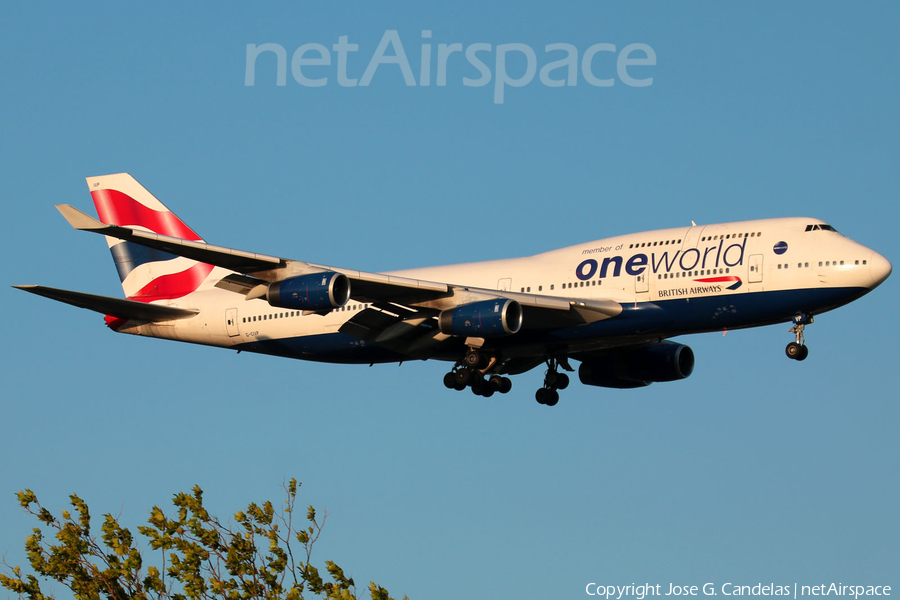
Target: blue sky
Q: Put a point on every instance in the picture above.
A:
(755, 469)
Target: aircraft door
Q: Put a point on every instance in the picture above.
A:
(756, 266)
(641, 283)
(692, 237)
(231, 322)
(504, 284)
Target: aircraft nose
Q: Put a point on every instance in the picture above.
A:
(880, 268)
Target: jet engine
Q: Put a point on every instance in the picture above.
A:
(666, 361)
(315, 291)
(487, 318)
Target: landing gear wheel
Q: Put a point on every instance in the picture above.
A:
(551, 379)
(553, 399)
(505, 385)
(797, 349)
(547, 396)
(463, 377)
(450, 381)
(475, 359)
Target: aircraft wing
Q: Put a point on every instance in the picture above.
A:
(258, 269)
(416, 300)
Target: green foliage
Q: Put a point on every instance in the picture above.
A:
(199, 556)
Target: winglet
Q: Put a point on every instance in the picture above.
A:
(78, 219)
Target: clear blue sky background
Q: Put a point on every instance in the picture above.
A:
(756, 469)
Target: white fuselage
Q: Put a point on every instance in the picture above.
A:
(680, 280)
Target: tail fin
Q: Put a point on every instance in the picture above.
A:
(146, 274)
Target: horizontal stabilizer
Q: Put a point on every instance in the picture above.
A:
(114, 307)
(228, 258)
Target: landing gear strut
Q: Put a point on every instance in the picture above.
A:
(470, 372)
(553, 381)
(797, 349)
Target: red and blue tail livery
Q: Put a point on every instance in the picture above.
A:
(147, 274)
(612, 305)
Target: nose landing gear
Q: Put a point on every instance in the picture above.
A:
(797, 349)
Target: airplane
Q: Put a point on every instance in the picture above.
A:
(611, 304)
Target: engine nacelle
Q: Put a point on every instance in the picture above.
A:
(666, 361)
(316, 291)
(488, 318)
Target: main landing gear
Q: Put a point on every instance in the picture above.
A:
(553, 381)
(470, 372)
(797, 349)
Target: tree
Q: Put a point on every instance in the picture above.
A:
(200, 557)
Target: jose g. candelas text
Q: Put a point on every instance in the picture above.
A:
(641, 591)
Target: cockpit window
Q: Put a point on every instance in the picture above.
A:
(821, 226)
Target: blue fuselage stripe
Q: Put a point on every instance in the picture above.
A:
(665, 318)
